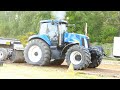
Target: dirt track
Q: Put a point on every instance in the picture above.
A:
(107, 69)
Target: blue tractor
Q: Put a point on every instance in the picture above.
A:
(54, 44)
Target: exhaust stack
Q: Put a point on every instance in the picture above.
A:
(86, 29)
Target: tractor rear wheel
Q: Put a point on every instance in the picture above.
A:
(97, 54)
(57, 62)
(37, 52)
(78, 56)
(3, 54)
(17, 56)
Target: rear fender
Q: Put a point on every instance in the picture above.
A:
(43, 37)
(64, 50)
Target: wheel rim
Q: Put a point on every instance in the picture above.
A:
(34, 53)
(1, 54)
(75, 57)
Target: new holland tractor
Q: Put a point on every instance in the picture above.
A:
(54, 44)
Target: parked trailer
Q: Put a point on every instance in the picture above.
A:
(11, 49)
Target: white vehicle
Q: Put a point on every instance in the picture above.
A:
(116, 47)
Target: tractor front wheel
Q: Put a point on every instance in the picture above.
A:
(37, 52)
(78, 56)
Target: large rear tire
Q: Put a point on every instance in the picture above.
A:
(37, 52)
(97, 54)
(17, 56)
(57, 62)
(3, 54)
(78, 56)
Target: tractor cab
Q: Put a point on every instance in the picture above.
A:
(54, 29)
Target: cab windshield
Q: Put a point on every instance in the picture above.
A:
(52, 30)
(47, 28)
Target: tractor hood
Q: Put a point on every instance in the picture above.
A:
(75, 38)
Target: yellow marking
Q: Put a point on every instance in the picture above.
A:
(7, 43)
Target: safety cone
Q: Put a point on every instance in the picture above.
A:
(71, 69)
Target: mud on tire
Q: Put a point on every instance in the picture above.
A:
(79, 56)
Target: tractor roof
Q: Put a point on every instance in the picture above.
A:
(55, 21)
